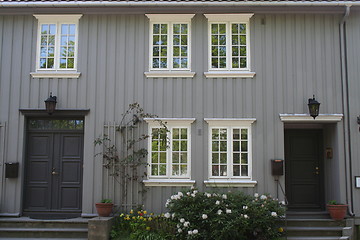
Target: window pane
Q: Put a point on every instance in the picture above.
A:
(223, 146)
(184, 40)
(52, 29)
(222, 62)
(175, 170)
(164, 28)
(234, 28)
(183, 157)
(215, 134)
(176, 39)
(215, 170)
(223, 134)
(236, 134)
(67, 124)
(176, 146)
(214, 51)
(235, 51)
(184, 28)
(243, 63)
(223, 170)
(183, 145)
(42, 62)
(163, 63)
(242, 28)
(156, 40)
(235, 62)
(62, 62)
(162, 157)
(244, 133)
(64, 29)
(244, 170)
(176, 134)
(72, 29)
(215, 63)
(222, 51)
(184, 51)
(155, 145)
(236, 146)
(215, 158)
(156, 63)
(236, 170)
(154, 170)
(215, 40)
(223, 158)
(155, 158)
(183, 133)
(175, 158)
(222, 28)
(176, 28)
(214, 28)
(156, 51)
(244, 158)
(163, 40)
(162, 169)
(156, 28)
(222, 40)
(236, 158)
(50, 63)
(176, 63)
(176, 51)
(183, 170)
(242, 51)
(215, 146)
(70, 63)
(184, 63)
(243, 39)
(244, 146)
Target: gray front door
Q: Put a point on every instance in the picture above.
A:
(53, 171)
(304, 169)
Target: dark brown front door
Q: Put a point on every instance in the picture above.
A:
(303, 159)
(53, 171)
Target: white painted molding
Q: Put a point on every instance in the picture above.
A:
(230, 121)
(230, 183)
(169, 17)
(242, 17)
(169, 74)
(325, 118)
(58, 17)
(229, 74)
(168, 183)
(55, 74)
(170, 121)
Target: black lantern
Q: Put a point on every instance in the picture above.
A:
(50, 104)
(313, 107)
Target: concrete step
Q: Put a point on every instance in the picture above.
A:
(316, 238)
(314, 223)
(314, 231)
(307, 215)
(44, 232)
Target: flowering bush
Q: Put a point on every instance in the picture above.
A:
(141, 225)
(232, 216)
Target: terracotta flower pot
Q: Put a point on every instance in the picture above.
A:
(104, 209)
(337, 212)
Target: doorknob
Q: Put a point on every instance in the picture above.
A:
(316, 170)
(53, 172)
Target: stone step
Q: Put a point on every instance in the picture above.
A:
(44, 232)
(317, 238)
(307, 215)
(314, 231)
(313, 223)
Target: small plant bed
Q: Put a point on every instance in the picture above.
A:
(206, 216)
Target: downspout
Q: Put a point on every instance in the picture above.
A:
(345, 96)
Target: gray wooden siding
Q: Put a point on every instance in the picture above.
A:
(294, 56)
(353, 53)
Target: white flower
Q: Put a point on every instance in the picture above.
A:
(190, 232)
(167, 215)
(228, 210)
(193, 195)
(188, 193)
(219, 212)
(195, 192)
(179, 230)
(204, 216)
(182, 220)
(173, 215)
(245, 207)
(282, 202)
(217, 202)
(186, 224)
(256, 195)
(263, 197)
(273, 214)
(180, 194)
(208, 195)
(224, 196)
(192, 187)
(178, 225)
(246, 216)
(195, 231)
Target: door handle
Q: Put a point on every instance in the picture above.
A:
(53, 172)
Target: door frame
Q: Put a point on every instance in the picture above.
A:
(52, 214)
(321, 178)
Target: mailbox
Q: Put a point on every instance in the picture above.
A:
(277, 167)
(11, 170)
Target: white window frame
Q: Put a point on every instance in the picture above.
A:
(169, 179)
(170, 20)
(230, 180)
(230, 72)
(57, 72)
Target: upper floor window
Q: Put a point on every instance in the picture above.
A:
(57, 42)
(170, 43)
(229, 43)
(230, 149)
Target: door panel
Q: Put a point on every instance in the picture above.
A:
(53, 171)
(303, 156)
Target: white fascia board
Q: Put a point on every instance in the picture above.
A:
(168, 183)
(325, 118)
(55, 74)
(170, 17)
(230, 183)
(169, 74)
(176, 4)
(59, 17)
(230, 121)
(170, 121)
(239, 17)
(229, 74)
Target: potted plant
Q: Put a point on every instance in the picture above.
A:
(337, 210)
(104, 208)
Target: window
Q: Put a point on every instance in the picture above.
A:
(57, 44)
(229, 45)
(169, 156)
(230, 155)
(170, 45)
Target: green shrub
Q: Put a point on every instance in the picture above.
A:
(232, 216)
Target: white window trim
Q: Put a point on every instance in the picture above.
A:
(229, 72)
(57, 72)
(329, 118)
(169, 19)
(236, 181)
(169, 180)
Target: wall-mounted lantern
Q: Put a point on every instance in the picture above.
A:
(314, 107)
(50, 104)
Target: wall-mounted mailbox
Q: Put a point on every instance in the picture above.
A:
(11, 170)
(277, 167)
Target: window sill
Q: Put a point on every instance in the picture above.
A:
(229, 74)
(55, 74)
(230, 183)
(169, 74)
(168, 183)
